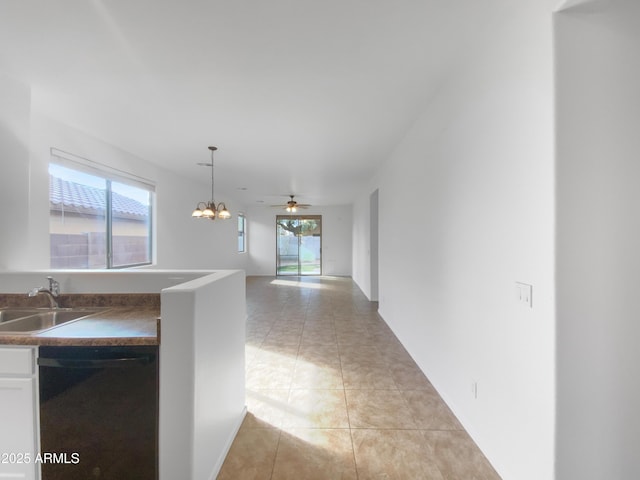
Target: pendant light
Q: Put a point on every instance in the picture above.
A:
(209, 209)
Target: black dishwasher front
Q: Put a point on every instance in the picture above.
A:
(98, 412)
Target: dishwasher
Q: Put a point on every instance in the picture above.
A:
(98, 412)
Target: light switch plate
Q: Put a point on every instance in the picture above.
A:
(524, 294)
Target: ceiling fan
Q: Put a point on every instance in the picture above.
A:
(292, 206)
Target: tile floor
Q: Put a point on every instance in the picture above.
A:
(332, 394)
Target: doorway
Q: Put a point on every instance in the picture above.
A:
(373, 245)
(299, 245)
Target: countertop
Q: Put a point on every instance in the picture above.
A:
(115, 325)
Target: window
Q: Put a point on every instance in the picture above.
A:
(98, 219)
(242, 225)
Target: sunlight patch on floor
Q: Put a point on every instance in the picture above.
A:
(293, 283)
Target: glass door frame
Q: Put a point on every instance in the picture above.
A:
(299, 272)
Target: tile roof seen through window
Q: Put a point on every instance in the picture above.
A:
(73, 196)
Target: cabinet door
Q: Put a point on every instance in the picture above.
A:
(17, 435)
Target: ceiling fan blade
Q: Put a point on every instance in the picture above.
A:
(291, 203)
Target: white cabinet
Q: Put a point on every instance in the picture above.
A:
(18, 440)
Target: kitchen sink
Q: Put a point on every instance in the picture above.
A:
(22, 320)
(8, 314)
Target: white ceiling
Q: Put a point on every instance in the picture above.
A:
(301, 96)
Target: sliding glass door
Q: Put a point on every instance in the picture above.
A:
(299, 245)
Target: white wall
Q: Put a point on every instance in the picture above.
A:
(363, 248)
(15, 105)
(361, 268)
(182, 242)
(598, 176)
(202, 391)
(466, 209)
(336, 239)
(99, 281)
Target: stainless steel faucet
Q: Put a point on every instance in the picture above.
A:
(52, 292)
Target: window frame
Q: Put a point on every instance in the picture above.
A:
(111, 175)
(242, 232)
(300, 270)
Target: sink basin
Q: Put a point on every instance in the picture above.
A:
(18, 320)
(8, 314)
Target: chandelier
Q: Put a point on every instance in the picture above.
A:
(209, 209)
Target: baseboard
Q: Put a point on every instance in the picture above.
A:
(218, 466)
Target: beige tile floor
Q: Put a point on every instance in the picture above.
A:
(332, 394)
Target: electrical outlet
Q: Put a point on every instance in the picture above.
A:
(524, 294)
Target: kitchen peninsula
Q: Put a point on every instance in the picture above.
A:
(201, 353)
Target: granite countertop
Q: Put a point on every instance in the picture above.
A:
(119, 322)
